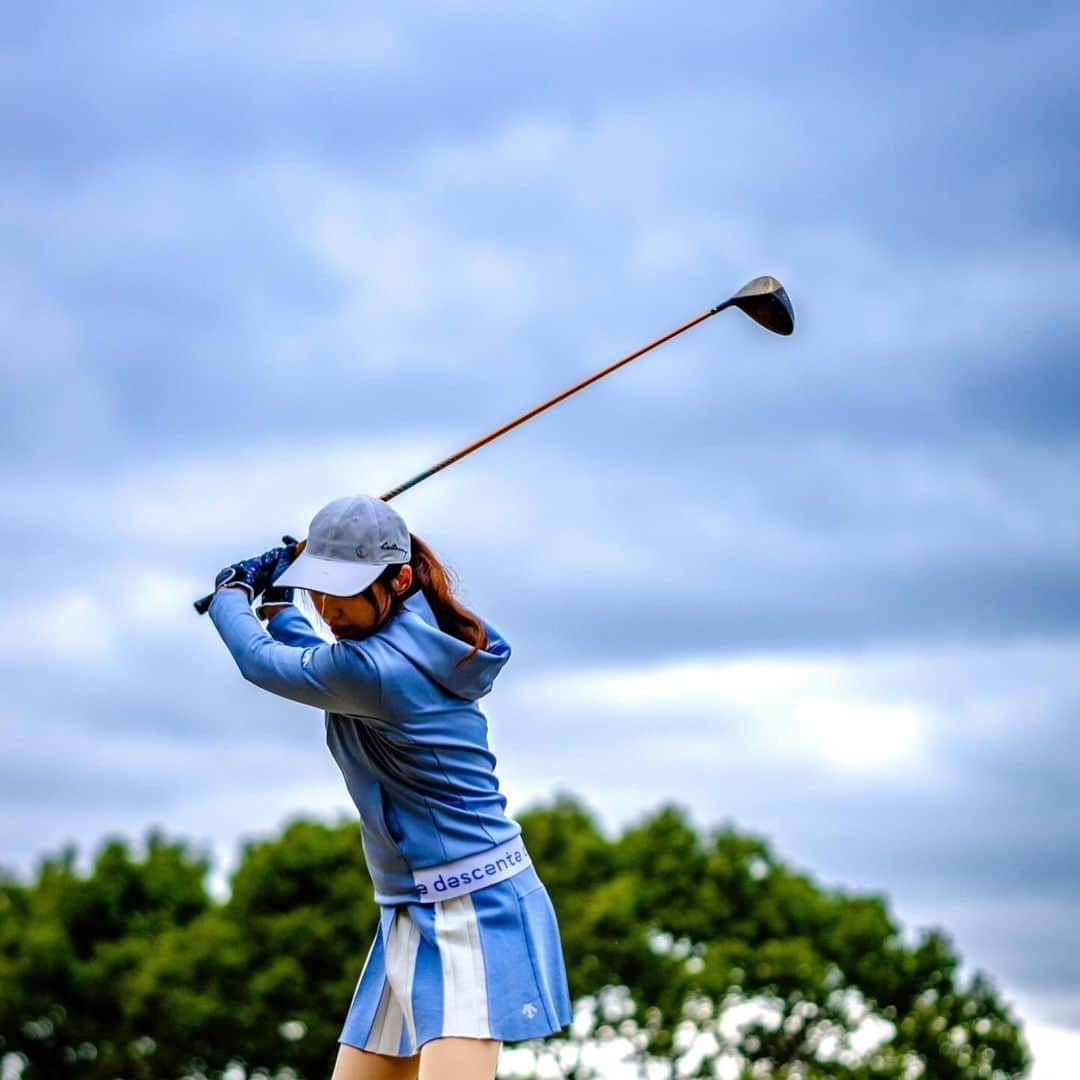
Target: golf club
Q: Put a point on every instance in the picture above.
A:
(763, 299)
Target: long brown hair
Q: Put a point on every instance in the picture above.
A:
(437, 582)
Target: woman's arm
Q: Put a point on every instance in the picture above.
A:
(288, 625)
(337, 677)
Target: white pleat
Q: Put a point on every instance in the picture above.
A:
(385, 1037)
(401, 967)
(457, 933)
(395, 1001)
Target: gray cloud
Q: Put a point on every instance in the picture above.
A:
(251, 261)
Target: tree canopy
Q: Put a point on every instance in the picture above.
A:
(682, 946)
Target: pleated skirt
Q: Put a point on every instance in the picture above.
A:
(488, 965)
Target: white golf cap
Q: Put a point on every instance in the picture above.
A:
(350, 542)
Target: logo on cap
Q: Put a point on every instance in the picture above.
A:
(387, 546)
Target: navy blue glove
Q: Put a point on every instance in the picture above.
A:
(276, 597)
(257, 573)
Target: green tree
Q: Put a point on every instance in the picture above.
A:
(681, 947)
(696, 929)
(71, 948)
(264, 979)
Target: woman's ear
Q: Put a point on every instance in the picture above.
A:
(403, 580)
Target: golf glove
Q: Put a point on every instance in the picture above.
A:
(256, 574)
(275, 597)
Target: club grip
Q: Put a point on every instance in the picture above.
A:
(202, 606)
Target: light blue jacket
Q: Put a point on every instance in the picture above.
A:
(402, 722)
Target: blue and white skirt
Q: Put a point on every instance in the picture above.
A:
(487, 964)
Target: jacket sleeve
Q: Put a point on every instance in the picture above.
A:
(338, 677)
(289, 626)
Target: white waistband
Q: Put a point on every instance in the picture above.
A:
(461, 876)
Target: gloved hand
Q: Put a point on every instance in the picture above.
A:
(256, 574)
(275, 597)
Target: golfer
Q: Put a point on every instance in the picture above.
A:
(467, 954)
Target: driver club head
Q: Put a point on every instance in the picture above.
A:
(766, 302)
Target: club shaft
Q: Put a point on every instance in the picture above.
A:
(204, 603)
(483, 441)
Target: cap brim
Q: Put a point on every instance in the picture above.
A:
(329, 576)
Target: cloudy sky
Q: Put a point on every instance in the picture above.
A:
(825, 587)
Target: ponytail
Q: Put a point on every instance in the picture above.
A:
(437, 582)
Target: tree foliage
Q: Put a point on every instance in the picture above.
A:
(701, 949)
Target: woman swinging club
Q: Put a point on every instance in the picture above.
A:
(467, 954)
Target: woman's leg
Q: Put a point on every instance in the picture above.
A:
(457, 1058)
(354, 1064)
